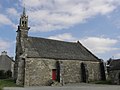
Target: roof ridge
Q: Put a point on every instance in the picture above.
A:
(88, 50)
(8, 57)
(52, 39)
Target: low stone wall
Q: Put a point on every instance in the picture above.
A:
(114, 76)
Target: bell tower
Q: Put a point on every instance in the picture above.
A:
(23, 25)
(22, 33)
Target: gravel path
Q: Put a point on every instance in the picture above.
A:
(70, 87)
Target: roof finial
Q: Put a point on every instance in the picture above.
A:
(24, 12)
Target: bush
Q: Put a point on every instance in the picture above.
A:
(5, 75)
(8, 74)
(7, 83)
(2, 74)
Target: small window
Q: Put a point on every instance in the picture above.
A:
(25, 23)
(22, 22)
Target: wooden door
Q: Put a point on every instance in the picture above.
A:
(53, 74)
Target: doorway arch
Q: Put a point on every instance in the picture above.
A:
(58, 71)
(119, 78)
(83, 73)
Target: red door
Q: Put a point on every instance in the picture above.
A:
(53, 74)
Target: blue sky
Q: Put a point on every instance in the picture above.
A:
(95, 23)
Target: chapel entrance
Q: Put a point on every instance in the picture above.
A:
(83, 73)
(56, 72)
(53, 74)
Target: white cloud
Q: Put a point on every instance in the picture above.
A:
(65, 36)
(48, 15)
(4, 20)
(13, 12)
(117, 55)
(4, 44)
(100, 45)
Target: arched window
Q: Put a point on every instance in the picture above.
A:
(102, 68)
(83, 73)
(22, 22)
(58, 71)
(119, 77)
(25, 23)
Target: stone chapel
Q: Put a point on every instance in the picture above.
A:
(40, 61)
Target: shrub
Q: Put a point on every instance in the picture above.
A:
(7, 83)
(2, 74)
(5, 75)
(8, 74)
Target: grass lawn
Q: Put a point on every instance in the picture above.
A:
(7, 83)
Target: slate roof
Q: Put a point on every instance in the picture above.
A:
(54, 49)
(115, 64)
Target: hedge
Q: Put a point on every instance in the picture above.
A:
(5, 75)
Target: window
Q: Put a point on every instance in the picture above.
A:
(22, 22)
(58, 71)
(25, 23)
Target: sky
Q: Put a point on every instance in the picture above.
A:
(95, 23)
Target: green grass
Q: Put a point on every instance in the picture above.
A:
(7, 83)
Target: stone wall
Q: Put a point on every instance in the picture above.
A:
(71, 71)
(12, 68)
(21, 71)
(94, 72)
(38, 71)
(114, 76)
